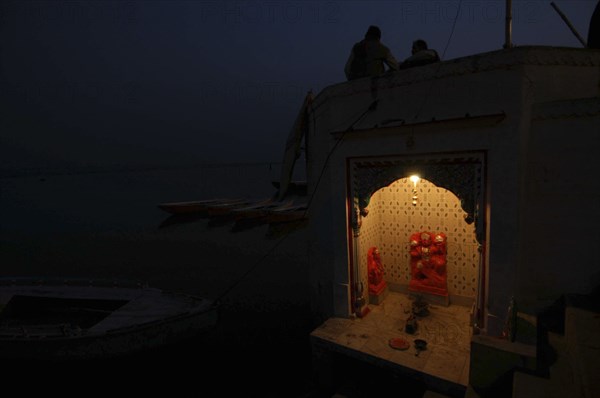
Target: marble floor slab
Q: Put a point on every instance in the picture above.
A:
(446, 330)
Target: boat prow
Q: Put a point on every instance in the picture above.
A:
(195, 206)
(295, 212)
(228, 208)
(261, 209)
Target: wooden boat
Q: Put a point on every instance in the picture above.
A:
(293, 146)
(288, 213)
(197, 206)
(76, 319)
(260, 209)
(221, 209)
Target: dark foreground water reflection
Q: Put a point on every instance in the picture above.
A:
(108, 226)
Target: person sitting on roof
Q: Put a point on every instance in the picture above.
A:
(369, 57)
(421, 55)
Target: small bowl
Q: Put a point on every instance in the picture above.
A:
(420, 344)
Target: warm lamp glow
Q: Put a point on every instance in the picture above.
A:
(415, 179)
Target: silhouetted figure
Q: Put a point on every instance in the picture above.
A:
(369, 57)
(421, 55)
(593, 40)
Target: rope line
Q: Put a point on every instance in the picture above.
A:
(287, 234)
(428, 92)
(251, 269)
(339, 140)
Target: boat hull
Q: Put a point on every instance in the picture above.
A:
(108, 345)
(151, 318)
(195, 207)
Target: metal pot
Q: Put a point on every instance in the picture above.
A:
(420, 345)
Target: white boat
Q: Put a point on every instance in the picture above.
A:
(228, 208)
(195, 206)
(295, 212)
(78, 319)
(260, 209)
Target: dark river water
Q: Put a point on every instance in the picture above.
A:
(108, 226)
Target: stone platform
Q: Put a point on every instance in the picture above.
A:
(443, 366)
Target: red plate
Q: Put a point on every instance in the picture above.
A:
(398, 343)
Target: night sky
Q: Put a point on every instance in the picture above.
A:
(97, 84)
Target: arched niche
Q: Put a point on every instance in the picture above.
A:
(461, 175)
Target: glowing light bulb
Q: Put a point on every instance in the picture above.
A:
(415, 179)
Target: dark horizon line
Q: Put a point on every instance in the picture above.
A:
(83, 170)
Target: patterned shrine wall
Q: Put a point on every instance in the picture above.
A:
(392, 219)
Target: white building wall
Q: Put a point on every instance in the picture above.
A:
(412, 117)
(562, 202)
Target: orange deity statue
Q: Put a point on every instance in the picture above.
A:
(428, 263)
(376, 272)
